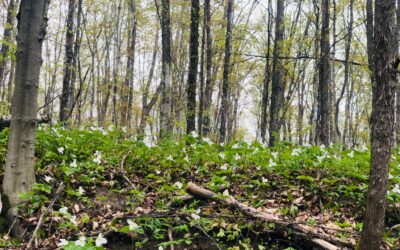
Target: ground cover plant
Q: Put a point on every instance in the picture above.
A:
(120, 193)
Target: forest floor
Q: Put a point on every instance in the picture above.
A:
(119, 193)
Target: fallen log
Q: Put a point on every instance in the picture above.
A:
(325, 241)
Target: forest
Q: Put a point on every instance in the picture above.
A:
(200, 124)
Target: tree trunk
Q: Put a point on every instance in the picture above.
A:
(267, 77)
(382, 122)
(324, 79)
(398, 83)
(277, 93)
(193, 65)
(165, 113)
(208, 87)
(127, 95)
(68, 64)
(19, 173)
(225, 83)
(346, 70)
(6, 42)
(202, 79)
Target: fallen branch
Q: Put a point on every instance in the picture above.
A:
(43, 214)
(325, 241)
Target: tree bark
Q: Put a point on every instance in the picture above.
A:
(193, 65)
(267, 78)
(398, 83)
(165, 113)
(324, 79)
(68, 64)
(277, 92)
(382, 122)
(19, 171)
(225, 83)
(208, 87)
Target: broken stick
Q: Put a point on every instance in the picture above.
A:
(326, 241)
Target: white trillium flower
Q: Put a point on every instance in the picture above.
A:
(73, 164)
(132, 225)
(47, 178)
(178, 185)
(237, 157)
(271, 163)
(63, 210)
(226, 192)
(61, 150)
(81, 191)
(390, 176)
(195, 216)
(351, 154)
(158, 172)
(264, 180)
(100, 240)
(224, 167)
(160, 248)
(296, 152)
(98, 157)
(186, 158)
(81, 242)
(321, 158)
(194, 134)
(170, 158)
(63, 242)
(364, 148)
(236, 146)
(222, 155)
(274, 154)
(396, 189)
(208, 141)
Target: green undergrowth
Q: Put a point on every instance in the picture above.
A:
(118, 189)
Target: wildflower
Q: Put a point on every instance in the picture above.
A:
(81, 242)
(274, 154)
(390, 176)
(47, 178)
(63, 210)
(321, 158)
(100, 240)
(264, 180)
(73, 220)
(364, 148)
(224, 167)
(271, 163)
(195, 216)
(237, 157)
(208, 141)
(226, 192)
(160, 248)
(81, 191)
(186, 158)
(194, 134)
(351, 154)
(73, 164)
(222, 155)
(396, 189)
(63, 242)
(132, 225)
(296, 152)
(170, 158)
(236, 146)
(178, 185)
(60, 150)
(158, 171)
(98, 157)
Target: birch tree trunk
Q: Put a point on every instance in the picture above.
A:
(19, 173)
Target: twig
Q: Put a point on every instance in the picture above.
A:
(123, 172)
(171, 238)
(43, 214)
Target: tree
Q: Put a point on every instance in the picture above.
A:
(65, 100)
(7, 40)
(19, 173)
(225, 83)
(385, 58)
(278, 89)
(208, 90)
(165, 113)
(193, 64)
(323, 116)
